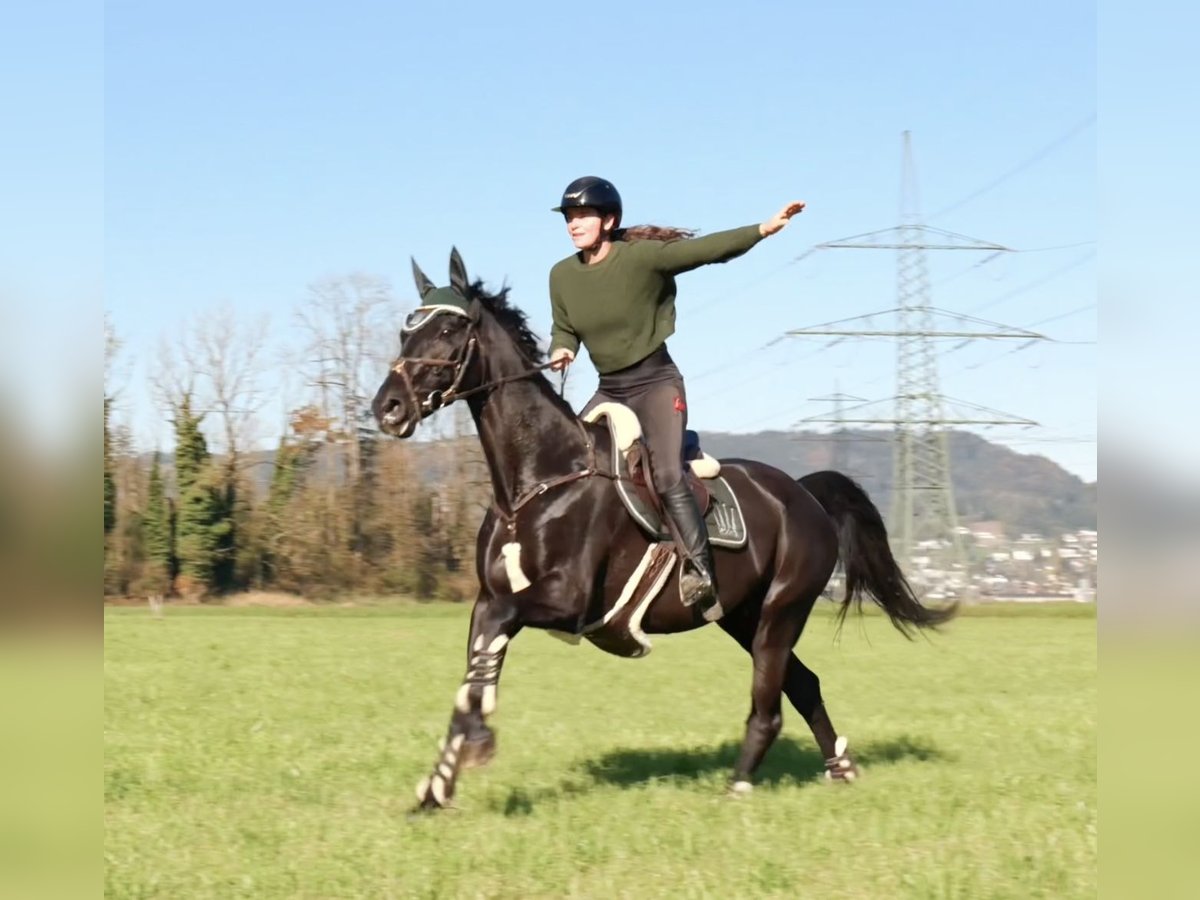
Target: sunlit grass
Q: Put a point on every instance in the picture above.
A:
(254, 753)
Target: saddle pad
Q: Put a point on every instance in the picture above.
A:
(725, 522)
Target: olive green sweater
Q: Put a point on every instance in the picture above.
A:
(623, 307)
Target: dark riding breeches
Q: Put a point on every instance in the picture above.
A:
(652, 388)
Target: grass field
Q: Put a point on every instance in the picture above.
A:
(273, 753)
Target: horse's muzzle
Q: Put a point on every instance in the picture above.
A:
(395, 420)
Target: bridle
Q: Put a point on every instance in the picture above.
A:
(436, 399)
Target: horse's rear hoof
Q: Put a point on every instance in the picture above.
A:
(841, 767)
(740, 789)
(478, 753)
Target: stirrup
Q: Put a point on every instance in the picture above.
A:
(698, 589)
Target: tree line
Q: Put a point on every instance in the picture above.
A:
(344, 510)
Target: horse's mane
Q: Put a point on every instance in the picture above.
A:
(512, 319)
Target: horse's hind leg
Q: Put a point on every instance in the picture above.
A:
(768, 637)
(803, 690)
(801, 685)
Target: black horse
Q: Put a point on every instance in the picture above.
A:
(557, 504)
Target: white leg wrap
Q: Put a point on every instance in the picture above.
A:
(512, 567)
(462, 700)
(450, 751)
(438, 785)
(498, 644)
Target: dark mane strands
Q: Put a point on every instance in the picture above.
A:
(513, 320)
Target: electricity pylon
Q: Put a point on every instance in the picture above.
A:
(923, 506)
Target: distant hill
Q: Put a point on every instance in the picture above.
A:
(991, 482)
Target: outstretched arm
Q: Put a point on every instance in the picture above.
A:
(779, 221)
(675, 257)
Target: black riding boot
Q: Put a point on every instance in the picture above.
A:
(698, 574)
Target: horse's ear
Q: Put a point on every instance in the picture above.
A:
(424, 285)
(475, 310)
(458, 273)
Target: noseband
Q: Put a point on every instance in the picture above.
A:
(435, 400)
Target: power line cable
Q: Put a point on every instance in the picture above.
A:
(1038, 282)
(1076, 129)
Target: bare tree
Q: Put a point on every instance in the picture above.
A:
(211, 370)
(173, 379)
(350, 326)
(217, 363)
(229, 358)
(112, 346)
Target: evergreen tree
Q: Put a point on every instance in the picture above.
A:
(191, 449)
(158, 533)
(286, 475)
(110, 481)
(202, 522)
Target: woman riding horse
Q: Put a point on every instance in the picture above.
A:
(616, 296)
(558, 550)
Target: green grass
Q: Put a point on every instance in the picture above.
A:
(273, 753)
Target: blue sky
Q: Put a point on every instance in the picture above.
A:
(252, 149)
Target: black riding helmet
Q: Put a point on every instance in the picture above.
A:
(593, 192)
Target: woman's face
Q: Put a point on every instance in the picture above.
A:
(586, 226)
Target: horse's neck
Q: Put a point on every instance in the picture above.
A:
(527, 435)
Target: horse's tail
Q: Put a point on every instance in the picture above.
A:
(867, 559)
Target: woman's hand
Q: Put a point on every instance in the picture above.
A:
(780, 219)
(561, 358)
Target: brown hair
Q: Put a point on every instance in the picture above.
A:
(652, 233)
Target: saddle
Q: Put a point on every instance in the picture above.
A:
(638, 460)
(631, 462)
(620, 632)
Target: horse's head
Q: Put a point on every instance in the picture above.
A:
(438, 343)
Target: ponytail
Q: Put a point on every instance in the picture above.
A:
(652, 233)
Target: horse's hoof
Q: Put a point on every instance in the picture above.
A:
(842, 776)
(740, 789)
(476, 754)
(434, 792)
(841, 767)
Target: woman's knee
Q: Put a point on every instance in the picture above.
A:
(667, 471)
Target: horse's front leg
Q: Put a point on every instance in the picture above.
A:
(469, 741)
